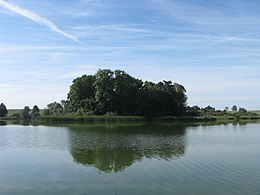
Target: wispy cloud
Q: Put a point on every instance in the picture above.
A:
(220, 17)
(35, 17)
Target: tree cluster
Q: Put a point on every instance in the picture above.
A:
(208, 110)
(27, 114)
(118, 92)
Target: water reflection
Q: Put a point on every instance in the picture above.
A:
(2, 123)
(113, 148)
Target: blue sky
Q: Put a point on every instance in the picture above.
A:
(210, 47)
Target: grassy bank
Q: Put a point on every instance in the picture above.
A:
(91, 119)
(255, 112)
(208, 117)
(186, 119)
(6, 118)
(214, 117)
(14, 111)
(129, 119)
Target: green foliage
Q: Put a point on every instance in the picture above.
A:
(2, 123)
(91, 119)
(242, 110)
(16, 116)
(118, 92)
(209, 109)
(46, 112)
(81, 94)
(54, 108)
(67, 107)
(192, 111)
(163, 99)
(104, 85)
(35, 112)
(13, 111)
(229, 116)
(25, 114)
(257, 112)
(3, 110)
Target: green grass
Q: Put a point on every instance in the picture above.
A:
(255, 111)
(13, 111)
(90, 119)
(207, 117)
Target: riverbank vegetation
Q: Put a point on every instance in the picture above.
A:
(115, 96)
(91, 119)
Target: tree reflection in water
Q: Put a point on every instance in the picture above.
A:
(2, 123)
(112, 148)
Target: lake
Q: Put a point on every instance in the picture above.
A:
(130, 159)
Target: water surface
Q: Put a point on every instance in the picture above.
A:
(130, 159)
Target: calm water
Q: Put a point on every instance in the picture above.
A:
(137, 159)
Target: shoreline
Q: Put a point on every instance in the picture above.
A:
(133, 119)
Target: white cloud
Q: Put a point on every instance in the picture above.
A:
(35, 17)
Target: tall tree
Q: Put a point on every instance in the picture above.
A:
(163, 99)
(25, 114)
(126, 94)
(105, 90)
(82, 94)
(35, 112)
(3, 110)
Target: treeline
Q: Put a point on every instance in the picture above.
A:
(27, 114)
(209, 110)
(113, 93)
(118, 93)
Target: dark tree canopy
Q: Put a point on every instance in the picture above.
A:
(118, 92)
(25, 113)
(3, 110)
(234, 108)
(82, 93)
(35, 112)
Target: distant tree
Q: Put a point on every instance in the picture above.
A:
(209, 108)
(25, 113)
(192, 111)
(242, 110)
(196, 108)
(234, 108)
(35, 109)
(55, 108)
(226, 108)
(3, 110)
(16, 116)
(35, 112)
